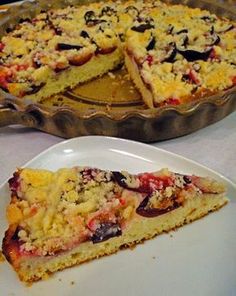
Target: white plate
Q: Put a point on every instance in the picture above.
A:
(198, 259)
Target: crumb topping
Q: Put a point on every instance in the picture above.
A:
(55, 211)
(184, 53)
(180, 51)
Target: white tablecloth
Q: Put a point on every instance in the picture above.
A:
(213, 146)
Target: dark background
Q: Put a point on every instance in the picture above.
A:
(7, 1)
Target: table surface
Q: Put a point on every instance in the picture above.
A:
(213, 146)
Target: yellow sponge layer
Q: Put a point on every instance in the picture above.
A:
(95, 67)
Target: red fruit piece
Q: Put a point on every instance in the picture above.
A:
(193, 77)
(149, 182)
(106, 50)
(14, 182)
(173, 101)
(22, 67)
(79, 60)
(149, 59)
(4, 78)
(234, 80)
(2, 45)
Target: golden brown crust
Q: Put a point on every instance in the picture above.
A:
(139, 206)
(10, 251)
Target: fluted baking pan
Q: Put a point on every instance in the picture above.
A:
(115, 108)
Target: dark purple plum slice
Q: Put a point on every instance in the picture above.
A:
(194, 55)
(144, 210)
(142, 28)
(106, 231)
(170, 54)
(151, 44)
(64, 46)
(35, 89)
(120, 179)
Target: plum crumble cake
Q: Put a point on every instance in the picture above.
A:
(172, 52)
(63, 218)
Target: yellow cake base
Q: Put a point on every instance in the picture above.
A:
(139, 229)
(95, 67)
(136, 78)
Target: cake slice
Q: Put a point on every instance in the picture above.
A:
(63, 218)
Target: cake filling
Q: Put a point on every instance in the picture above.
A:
(59, 219)
(87, 204)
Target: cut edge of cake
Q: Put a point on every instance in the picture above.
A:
(95, 67)
(136, 77)
(36, 268)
